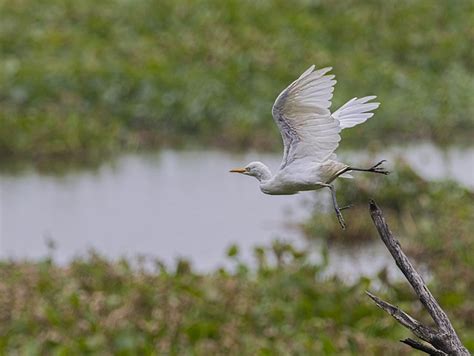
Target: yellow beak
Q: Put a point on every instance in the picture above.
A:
(238, 170)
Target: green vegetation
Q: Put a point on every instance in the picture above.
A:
(284, 304)
(102, 307)
(84, 78)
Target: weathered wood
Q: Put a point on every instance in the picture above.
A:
(443, 339)
(425, 333)
(423, 347)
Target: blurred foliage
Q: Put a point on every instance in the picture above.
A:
(88, 77)
(434, 221)
(95, 306)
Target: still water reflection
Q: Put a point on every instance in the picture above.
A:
(173, 203)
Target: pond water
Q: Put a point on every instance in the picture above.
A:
(173, 204)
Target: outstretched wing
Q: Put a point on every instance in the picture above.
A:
(302, 114)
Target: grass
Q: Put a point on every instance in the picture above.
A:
(86, 78)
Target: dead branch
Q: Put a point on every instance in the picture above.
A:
(443, 339)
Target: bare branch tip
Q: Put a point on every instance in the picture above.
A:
(373, 205)
(370, 294)
(376, 299)
(430, 350)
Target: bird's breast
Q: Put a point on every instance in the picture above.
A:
(277, 188)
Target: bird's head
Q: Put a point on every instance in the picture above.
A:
(255, 169)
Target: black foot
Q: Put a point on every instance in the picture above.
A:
(376, 169)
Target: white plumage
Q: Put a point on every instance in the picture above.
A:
(310, 135)
(355, 112)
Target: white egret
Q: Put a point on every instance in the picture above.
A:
(311, 134)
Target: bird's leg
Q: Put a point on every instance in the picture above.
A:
(374, 169)
(336, 206)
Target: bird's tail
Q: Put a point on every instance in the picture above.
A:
(346, 175)
(355, 111)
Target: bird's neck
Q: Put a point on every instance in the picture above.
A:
(264, 174)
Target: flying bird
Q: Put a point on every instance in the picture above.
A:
(311, 134)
